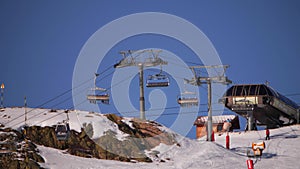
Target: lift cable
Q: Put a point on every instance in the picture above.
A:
(118, 83)
(58, 96)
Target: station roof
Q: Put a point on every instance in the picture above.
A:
(234, 120)
(258, 90)
(215, 119)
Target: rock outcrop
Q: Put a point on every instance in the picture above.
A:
(17, 152)
(139, 137)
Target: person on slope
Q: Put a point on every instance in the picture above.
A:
(267, 134)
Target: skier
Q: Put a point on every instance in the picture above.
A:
(267, 134)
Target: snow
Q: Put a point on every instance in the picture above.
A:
(127, 121)
(282, 150)
(162, 147)
(46, 117)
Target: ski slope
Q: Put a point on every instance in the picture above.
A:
(15, 118)
(282, 150)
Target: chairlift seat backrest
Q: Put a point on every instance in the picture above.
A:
(157, 80)
(97, 95)
(187, 99)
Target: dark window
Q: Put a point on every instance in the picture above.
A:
(245, 91)
(252, 90)
(262, 90)
(229, 91)
(269, 91)
(239, 90)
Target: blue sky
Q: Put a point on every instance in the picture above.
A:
(41, 40)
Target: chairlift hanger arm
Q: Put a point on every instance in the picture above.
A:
(197, 80)
(209, 66)
(132, 61)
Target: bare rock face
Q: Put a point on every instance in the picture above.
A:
(154, 135)
(78, 144)
(17, 152)
(141, 136)
(44, 136)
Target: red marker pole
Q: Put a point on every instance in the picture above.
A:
(212, 136)
(250, 164)
(227, 141)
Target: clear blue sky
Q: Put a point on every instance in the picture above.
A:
(41, 40)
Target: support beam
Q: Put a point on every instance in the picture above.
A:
(198, 80)
(209, 118)
(142, 98)
(2, 98)
(250, 120)
(2, 95)
(151, 59)
(298, 116)
(25, 107)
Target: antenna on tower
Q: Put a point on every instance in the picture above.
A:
(25, 107)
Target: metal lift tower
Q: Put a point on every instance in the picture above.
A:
(198, 80)
(131, 58)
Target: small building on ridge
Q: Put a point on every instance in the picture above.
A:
(220, 124)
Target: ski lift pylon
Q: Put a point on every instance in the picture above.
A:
(97, 94)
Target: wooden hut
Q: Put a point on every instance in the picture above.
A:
(220, 124)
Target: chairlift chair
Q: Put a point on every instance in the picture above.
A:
(187, 99)
(62, 131)
(98, 94)
(157, 80)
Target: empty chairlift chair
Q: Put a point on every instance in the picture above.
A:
(157, 80)
(187, 99)
(97, 94)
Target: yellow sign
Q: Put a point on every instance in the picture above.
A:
(2, 86)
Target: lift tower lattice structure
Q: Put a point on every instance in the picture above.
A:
(132, 58)
(198, 80)
(2, 95)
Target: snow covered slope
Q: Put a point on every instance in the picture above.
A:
(15, 118)
(282, 151)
